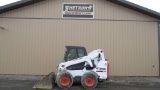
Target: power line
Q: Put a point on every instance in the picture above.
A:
(34, 18)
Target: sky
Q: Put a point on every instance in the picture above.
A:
(151, 4)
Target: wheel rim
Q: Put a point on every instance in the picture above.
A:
(65, 80)
(89, 81)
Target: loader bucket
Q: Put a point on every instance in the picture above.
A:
(47, 82)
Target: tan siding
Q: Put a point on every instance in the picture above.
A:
(37, 46)
(30, 46)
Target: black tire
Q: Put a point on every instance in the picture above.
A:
(64, 80)
(89, 80)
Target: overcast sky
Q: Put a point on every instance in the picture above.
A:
(151, 4)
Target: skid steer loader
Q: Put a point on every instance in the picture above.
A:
(78, 67)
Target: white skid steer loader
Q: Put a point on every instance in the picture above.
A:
(79, 67)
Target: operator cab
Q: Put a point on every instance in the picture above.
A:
(74, 52)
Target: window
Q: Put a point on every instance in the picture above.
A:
(72, 54)
(81, 53)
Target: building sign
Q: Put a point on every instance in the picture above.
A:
(81, 11)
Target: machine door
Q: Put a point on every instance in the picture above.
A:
(74, 52)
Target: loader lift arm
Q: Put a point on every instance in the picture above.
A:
(91, 56)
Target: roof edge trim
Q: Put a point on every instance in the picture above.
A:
(136, 7)
(17, 4)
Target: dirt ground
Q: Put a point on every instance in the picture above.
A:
(115, 83)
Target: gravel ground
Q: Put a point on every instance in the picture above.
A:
(8, 82)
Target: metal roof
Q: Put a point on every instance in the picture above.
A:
(124, 3)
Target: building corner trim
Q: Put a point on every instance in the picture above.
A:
(159, 44)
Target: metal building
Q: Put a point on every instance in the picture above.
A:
(34, 33)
